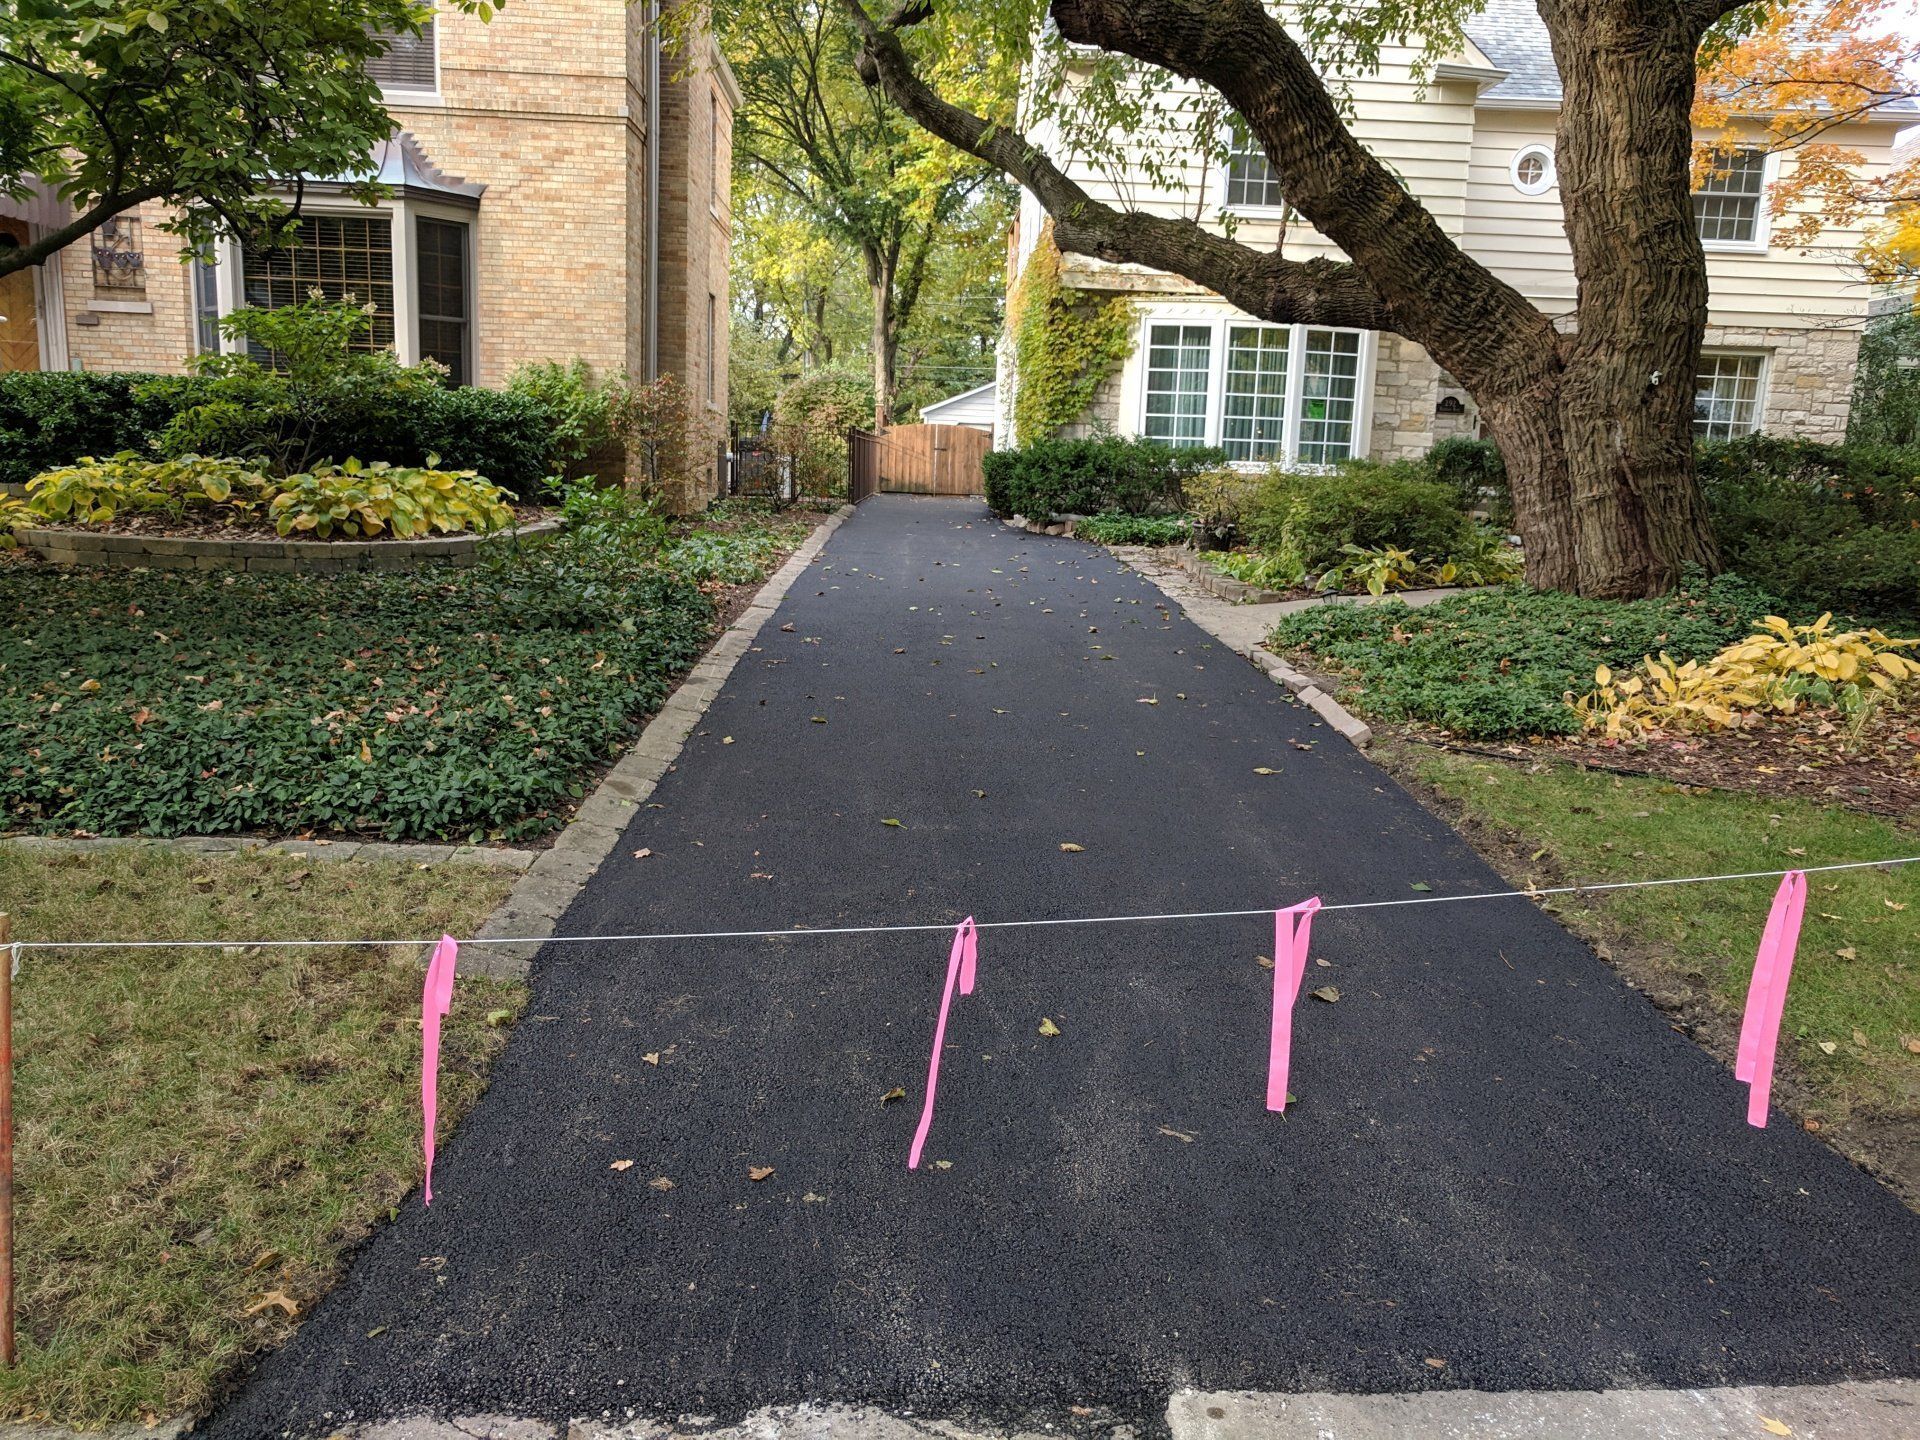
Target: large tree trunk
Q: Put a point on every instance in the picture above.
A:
(1595, 425)
(880, 280)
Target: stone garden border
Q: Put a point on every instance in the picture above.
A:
(61, 546)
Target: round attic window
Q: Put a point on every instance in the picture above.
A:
(1533, 170)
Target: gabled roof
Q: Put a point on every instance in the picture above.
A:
(1512, 35)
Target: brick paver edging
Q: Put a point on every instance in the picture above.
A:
(307, 557)
(542, 895)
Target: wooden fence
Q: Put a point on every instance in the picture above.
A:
(916, 460)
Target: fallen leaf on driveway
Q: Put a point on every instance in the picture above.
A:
(642, 853)
(943, 1164)
(1420, 885)
(897, 1093)
(1434, 1362)
(787, 628)
(1265, 770)
(757, 1173)
(652, 1057)
(812, 1199)
(1179, 1135)
(621, 1165)
(1328, 993)
(819, 719)
(1266, 961)
(1145, 700)
(1071, 848)
(895, 823)
(660, 1183)
(1048, 1028)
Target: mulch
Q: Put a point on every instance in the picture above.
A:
(1813, 755)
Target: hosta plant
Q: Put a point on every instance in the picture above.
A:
(1780, 668)
(1386, 568)
(363, 500)
(92, 492)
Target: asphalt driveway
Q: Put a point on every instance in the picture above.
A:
(1504, 1169)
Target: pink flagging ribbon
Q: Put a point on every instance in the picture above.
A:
(1767, 994)
(436, 998)
(960, 969)
(1292, 929)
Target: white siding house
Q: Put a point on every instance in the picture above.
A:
(1475, 145)
(977, 409)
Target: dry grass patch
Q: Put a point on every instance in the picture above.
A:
(204, 1135)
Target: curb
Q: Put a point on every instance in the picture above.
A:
(541, 896)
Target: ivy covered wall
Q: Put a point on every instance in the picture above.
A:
(1065, 343)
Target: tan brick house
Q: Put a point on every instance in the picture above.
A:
(558, 188)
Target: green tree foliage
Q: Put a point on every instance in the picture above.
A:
(1886, 388)
(833, 167)
(198, 103)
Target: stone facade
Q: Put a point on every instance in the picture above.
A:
(547, 108)
(1405, 386)
(1809, 377)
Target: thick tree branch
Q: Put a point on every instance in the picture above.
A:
(1318, 292)
(54, 241)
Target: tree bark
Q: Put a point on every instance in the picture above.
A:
(886, 339)
(1595, 426)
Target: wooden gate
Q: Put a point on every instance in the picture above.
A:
(917, 460)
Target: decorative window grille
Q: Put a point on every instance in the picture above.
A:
(118, 261)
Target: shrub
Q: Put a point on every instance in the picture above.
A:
(669, 435)
(811, 418)
(380, 498)
(1476, 474)
(1086, 477)
(51, 418)
(1498, 665)
(1828, 526)
(1219, 500)
(575, 406)
(1371, 506)
(1257, 567)
(1112, 527)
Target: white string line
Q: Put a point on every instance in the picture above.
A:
(635, 939)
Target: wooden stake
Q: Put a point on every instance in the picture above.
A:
(8, 1352)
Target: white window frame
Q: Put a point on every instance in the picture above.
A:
(1760, 384)
(406, 94)
(1762, 220)
(1219, 319)
(1548, 180)
(400, 213)
(1252, 212)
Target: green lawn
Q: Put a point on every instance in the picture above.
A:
(203, 1133)
(1856, 982)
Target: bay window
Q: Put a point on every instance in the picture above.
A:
(1266, 394)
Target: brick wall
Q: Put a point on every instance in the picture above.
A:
(547, 107)
(696, 155)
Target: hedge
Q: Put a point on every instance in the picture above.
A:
(52, 418)
(1090, 477)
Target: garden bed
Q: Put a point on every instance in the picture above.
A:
(471, 705)
(150, 542)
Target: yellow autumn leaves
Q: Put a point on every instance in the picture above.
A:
(1776, 669)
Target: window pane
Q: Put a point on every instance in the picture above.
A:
(1250, 177)
(1178, 360)
(1253, 425)
(206, 308)
(1726, 207)
(1726, 397)
(441, 248)
(341, 256)
(408, 63)
(1329, 389)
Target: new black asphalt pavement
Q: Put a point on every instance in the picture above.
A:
(1501, 1158)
